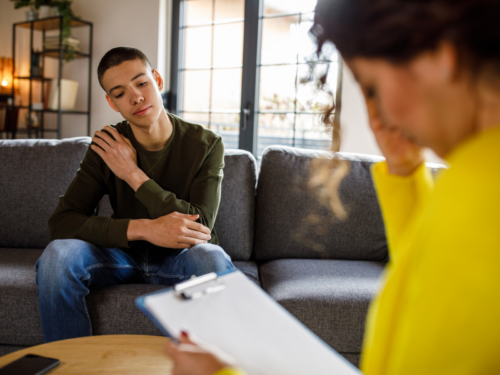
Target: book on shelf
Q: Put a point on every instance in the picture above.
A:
(55, 39)
(52, 42)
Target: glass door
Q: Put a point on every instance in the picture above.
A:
(238, 68)
(210, 67)
(288, 109)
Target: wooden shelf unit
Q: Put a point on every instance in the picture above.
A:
(43, 25)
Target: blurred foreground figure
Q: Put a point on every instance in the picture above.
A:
(430, 73)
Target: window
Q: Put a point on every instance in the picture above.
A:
(237, 68)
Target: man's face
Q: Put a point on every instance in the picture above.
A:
(133, 89)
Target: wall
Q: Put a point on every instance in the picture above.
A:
(356, 134)
(7, 17)
(116, 22)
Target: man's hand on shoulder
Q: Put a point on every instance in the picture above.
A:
(174, 231)
(119, 155)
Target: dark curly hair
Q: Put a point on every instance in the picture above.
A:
(398, 31)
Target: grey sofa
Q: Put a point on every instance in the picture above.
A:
(324, 271)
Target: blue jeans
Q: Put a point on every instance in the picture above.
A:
(69, 269)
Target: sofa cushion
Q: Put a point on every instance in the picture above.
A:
(112, 309)
(292, 223)
(235, 219)
(250, 269)
(19, 315)
(331, 297)
(35, 172)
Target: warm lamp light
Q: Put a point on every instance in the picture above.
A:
(5, 75)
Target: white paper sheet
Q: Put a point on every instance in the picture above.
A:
(251, 327)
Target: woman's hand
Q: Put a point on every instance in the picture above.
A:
(191, 359)
(402, 155)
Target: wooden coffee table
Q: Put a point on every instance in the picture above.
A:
(114, 354)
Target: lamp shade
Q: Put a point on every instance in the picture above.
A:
(6, 78)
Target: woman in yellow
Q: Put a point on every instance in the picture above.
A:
(430, 72)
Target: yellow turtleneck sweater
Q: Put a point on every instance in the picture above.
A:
(439, 311)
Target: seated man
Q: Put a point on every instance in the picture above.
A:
(163, 176)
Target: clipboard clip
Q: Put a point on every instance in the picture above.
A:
(197, 287)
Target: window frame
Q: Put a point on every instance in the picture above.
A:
(249, 103)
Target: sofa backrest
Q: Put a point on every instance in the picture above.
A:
(235, 220)
(33, 174)
(292, 223)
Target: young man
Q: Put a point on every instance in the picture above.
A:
(163, 177)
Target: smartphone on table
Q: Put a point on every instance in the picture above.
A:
(30, 364)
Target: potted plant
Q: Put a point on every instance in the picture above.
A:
(63, 8)
(31, 14)
(45, 8)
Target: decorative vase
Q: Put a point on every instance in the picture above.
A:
(31, 15)
(35, 65)
(35, 121)
(35, 71)
(45, 11)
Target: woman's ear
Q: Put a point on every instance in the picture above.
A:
(158, 79)
(111, 104)
(447, 59)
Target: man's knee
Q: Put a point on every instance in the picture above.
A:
(60, 260)
(206, 258)
(63, 252)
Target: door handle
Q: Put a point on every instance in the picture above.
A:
(246, 115)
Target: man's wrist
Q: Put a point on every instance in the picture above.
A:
(136, 178)
(136, 230)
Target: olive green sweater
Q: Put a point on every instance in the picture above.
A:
(185, 176)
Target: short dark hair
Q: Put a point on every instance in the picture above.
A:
(118, 55)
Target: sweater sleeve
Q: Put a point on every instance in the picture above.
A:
(229, 371)
(400, 198)
(204, 194)
(74, 216)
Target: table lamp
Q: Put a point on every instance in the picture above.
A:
(6, 78)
